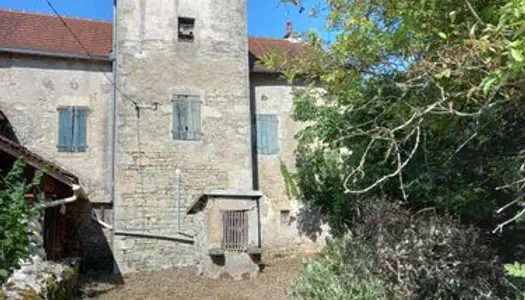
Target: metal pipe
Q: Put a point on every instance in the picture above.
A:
(188, 240)
(113, 125)
(95, 218)
(153, 236)
(55, 54)
(75, 188)
(177, 196)
(61, 202)
(114, 107)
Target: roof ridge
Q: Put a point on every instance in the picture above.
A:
(268, 38)
(50, 15)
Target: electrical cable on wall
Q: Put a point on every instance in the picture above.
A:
(137, 106)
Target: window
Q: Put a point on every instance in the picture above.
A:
(187, 117)
(186, 26)
(267, 134)
(285, 217)
(72, 129)
(235, 230)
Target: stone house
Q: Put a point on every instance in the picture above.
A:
(163, 109)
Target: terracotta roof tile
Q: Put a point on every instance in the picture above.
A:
(260, 46)
(32, 31)
(40, 32)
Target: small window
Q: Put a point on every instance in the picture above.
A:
(187, 117)
(186, 27)
(235, 230)
(267, 134)
(72, 129)
(285, 217)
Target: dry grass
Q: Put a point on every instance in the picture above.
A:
(272, 284)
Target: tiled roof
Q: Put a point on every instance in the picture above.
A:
(40, 32)
(260, 46)
(32, 31)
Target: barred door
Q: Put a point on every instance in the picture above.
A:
(235, 230)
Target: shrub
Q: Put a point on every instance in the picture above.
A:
(395, 253)
(339, 274)
(15, 211)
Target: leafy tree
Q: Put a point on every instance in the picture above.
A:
(15, 211)
(422, 102)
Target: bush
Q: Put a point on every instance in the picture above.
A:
(339, 274)
(15, 211)
(394, 253)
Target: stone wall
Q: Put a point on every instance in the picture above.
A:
(302, 228)
(153, 66)
(32, 90)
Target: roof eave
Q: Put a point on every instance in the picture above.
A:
(108, 58)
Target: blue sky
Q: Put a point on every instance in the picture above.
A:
(266, 18)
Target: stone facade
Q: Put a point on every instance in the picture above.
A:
(153, 66)
(34, 87)
(285, 223)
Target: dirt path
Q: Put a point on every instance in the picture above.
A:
(272, 284)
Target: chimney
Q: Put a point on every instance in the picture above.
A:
(289, 30)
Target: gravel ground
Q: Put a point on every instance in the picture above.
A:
(272, 284)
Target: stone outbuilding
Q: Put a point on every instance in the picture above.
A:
(229, 234)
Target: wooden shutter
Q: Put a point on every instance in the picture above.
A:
(194, 118)
(186, 117)
(80, 129)
(267, 134)
(180, 118)
(65, 129)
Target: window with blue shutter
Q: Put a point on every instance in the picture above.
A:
(72, 129)
(187, 118)
(267, 134)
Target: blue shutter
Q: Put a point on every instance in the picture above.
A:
(186, 117)
(194, 118)
(180, 119)
(267, 134)
(80, 130)
(273, 135)
(260, 133)
(175, 120)
(65, 129)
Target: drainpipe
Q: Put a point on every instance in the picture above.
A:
(113, 132)
(114, 107)
(177, 196)
(76, 190)
(95, 218)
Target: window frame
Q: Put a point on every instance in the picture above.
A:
(193, 111)
(73, 147)
(270, 149)
(186, 21)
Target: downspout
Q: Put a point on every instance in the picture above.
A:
(177, 196)
(76, 190)
(113, 132)
(114, 108)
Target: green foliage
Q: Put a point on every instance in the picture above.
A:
(344, 270)
(427, 96)
(422, 103)
(515, 270)
(396, 254)
(290, 184)
(15, 211)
